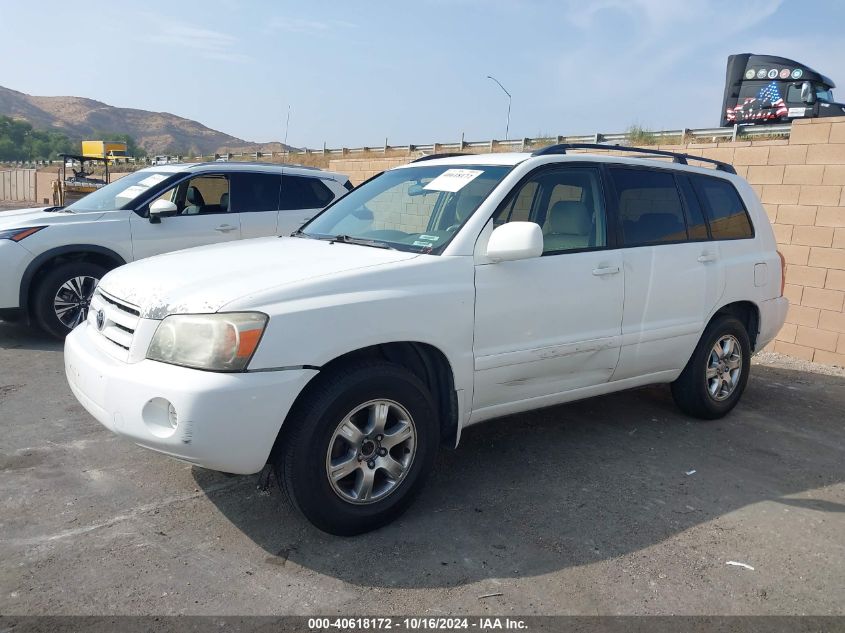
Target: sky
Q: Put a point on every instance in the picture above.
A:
(355, 73)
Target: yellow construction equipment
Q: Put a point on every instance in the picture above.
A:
(92, 173)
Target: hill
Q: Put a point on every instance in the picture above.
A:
(156, 132)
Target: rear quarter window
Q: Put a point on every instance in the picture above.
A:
(724, 209)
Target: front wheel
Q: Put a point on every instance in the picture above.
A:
(358, 447)
(61, 299)
(716, 374)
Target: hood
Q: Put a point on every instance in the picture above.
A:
(35, 216)
(25, 217)
(204, 279)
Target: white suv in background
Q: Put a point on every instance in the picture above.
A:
(432, 297)
(52, 258)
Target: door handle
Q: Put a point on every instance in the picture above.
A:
(226, 228)
(706, 258)
(606, 270)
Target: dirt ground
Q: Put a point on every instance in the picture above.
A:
(8, 205)
(614, 505)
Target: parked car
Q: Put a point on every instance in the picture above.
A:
(52, 258)
(432, 297)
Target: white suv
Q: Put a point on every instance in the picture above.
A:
(432, 297)
(52, 258)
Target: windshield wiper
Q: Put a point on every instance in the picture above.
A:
(348, 239)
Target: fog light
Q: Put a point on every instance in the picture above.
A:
(160, 417)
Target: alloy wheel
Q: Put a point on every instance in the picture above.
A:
(724, 366)
(371, 451)
(72, 300)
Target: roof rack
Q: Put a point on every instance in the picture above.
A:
(677, 157)
(433, 156)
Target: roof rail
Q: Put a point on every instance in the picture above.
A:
(677, 157)
(246, 163)
(433, 156)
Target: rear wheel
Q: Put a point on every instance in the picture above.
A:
(716, 374)
(61, 300)
(358, 447)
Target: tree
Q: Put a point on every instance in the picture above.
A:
(19, 141)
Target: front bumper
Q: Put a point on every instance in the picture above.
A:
(14, 259)
(226, 422)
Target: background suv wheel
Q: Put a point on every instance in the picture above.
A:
(61, 299)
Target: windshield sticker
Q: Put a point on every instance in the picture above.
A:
(419, 243)
(794, 112)
(154, 179)
(132, 192)
(453, 180)
(433, 238)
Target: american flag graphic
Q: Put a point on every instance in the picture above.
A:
(752, 109)
(772, 94)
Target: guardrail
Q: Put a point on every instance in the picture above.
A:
(683, 135)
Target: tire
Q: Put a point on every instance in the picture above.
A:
(709, 388)
(312, 445)
(65, 278)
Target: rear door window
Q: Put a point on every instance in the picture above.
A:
(301, 192)
(725, 212)
(649, 206)
(255, 192)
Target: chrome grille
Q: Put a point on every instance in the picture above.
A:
(117, 324)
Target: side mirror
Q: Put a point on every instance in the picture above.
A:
(418, 190)
(161, 209)
(808, 95)
(515, 240)
(363, 213)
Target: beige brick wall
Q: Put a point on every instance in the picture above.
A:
(801, 182)
(360, 169)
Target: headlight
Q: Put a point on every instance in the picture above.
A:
(217, 342)
(16, 235)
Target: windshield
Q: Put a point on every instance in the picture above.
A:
(417, 209)
(120, 193)
(824, 94)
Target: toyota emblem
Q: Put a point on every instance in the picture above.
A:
(101, 319)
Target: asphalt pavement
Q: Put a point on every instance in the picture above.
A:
(614, 505)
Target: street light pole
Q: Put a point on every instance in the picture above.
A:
(508, 126)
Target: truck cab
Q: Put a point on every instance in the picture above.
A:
(763, 89)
